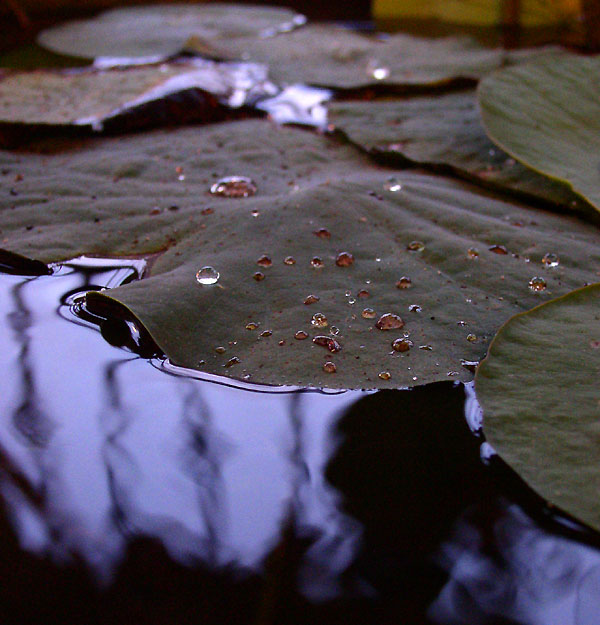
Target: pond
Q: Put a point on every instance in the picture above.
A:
(136, 491)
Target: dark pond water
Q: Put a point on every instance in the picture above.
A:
(133, 492)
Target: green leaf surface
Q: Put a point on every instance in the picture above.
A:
(150, 194)
(336, 57)
(546, 114)
(539, 391)
(162, 30)
(444, 131)
(89, 96)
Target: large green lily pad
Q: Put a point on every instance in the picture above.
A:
(162, 30)
(443, 131)
(539, 391)
(547, 115)
(150, 194)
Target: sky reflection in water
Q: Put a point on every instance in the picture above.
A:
(383, 494)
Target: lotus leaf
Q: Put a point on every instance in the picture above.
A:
(161, 30)
(444, 131)
(539, 391)
(150, 194)
(546, 114)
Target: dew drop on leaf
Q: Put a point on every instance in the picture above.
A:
(404, 283)
(363, 293)
(289, 260)
(384, 375)
(498, 249)
(402, 345)
(329, 367)
(264, 261)
(301, 335)
(252, 325)
(344, 259)
(323, 233)
(537, 284)
(234, 187)
(472, 338)
(368, 313)
(415, 308)
(550, 260)
(316, 262)
(319, 320)
(232, 361)
(389, 321)
(311, 299)
(415, 246)
(207, 275)
(472, 253)
(258, 276)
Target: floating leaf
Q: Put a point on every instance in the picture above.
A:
(117, 96)
(547, 115)
(337, 57)
(162, 30)
(151, 194)
(539, 391)
(443, 130)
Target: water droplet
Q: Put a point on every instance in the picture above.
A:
(258, 276)
(415, 378)
(498, 249)
(402, 345)
(381, 73)
(537, 284)
(404, 283)
(207, 275)
(393, 185)
(232, 361)
(326, 341)
(289, 260)
(301, 335)
(415, 308)
(384, 375)
(281, 343)
(234, 187)
(266, 333)
(201, 362)
(452, 374)
(416, 246)
(181, 178)
(316, 262)
(427, 348)
(389, 321)
(368, 313)
(264, 261)
(472, 253)
(344, 259)
(461, 323)
(550, 260)
(252, 325)
(351, 301)
(323, 233)
(363, 293)
(377, 260)
(319, 320)
(311, 299)
(329, 367)
(472, 338)
(255, 213)
(220, 350)
(334, 330)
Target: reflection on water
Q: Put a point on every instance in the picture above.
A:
(133, 493)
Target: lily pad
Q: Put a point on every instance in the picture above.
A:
(444, 131)
(105, 98)
(161, 30)
(336, 57)
(539, 391)
(314, 198)
(546, 114)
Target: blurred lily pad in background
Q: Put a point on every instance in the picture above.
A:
(539, 391)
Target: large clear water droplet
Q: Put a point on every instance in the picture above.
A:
(368, 313)
(344, 259)
(402, 345)
(301, 335)
(415, 246)
(384, 375)
(311, 299)
(264, 261)
(404, 283)
(234, 187)
(498, 249)
(326, 341)
(207, 275)
(329, 367)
